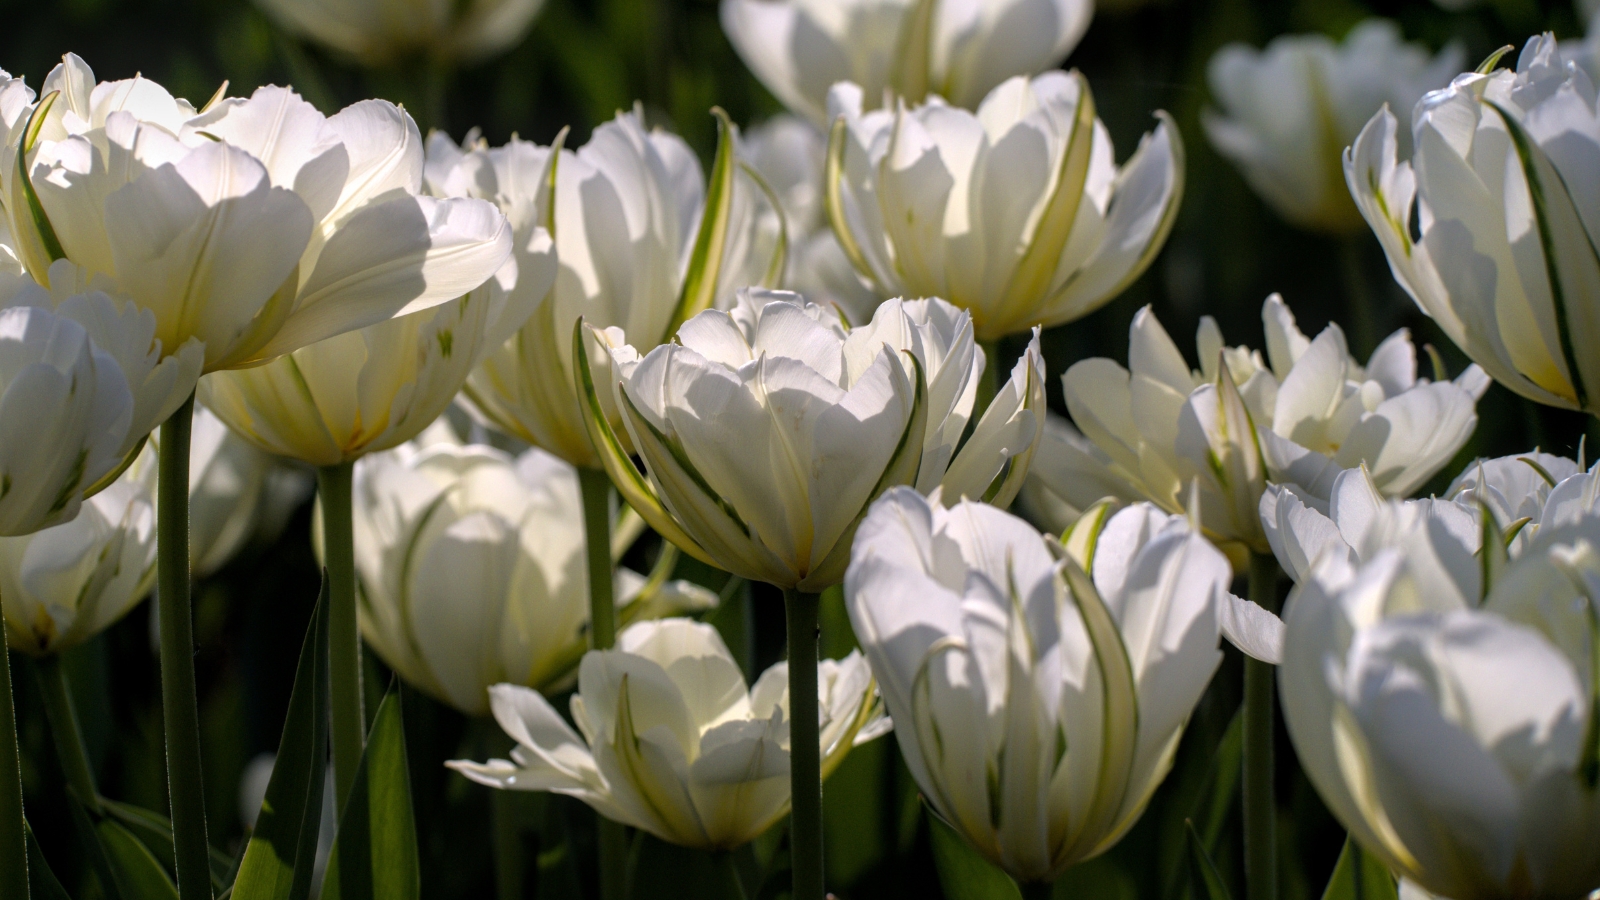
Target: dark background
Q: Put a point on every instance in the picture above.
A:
(581, 62)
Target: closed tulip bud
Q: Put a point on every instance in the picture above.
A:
(913, 48)
(254, 227)
(671, 741)
(1455, 736)
(62, 586)
(385, 32)
(1017, 213)
(473, 571)
(634, 227)
(1288, 112)
(1038, 693)
(767, 431)
(1300, 416)
(1486, 227)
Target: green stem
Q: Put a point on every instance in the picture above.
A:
(508, 872)
(13, 831)
(805, 752)
(180, 708)
(1358, 292)
(64, 730)
(1037, 890)
(728, 869)
(595, 486)
(989, 384)
(348, 719)
(1260, 826)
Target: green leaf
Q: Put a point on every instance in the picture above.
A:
(1222, 787)
(278, 860)
(137, 871)
(711, 242)
(375, 853)
(95, 851)
(155, 831)
(963, 872)
(1203, 876)
(913, 57)
(42, 883)
(1359, 876)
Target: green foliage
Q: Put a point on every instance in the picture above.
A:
(375, 853)
(963, 872)
(1360, 876)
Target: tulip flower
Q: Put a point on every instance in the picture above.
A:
(776, 498)
(789, 154)
(255, 227)
(1302, 415)
(669, 738)
(1038, 701)
(1018, 213)
(472, 570)
(1485, 226)
(1455, 736)
(958, 51)
(1069, 475)
(383, 32)
(1288, 112)
(65, 584)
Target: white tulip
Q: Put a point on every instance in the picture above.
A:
(1454, 736)
(1017, 213)
(254, 227)
(1038, 701)
(385, 32)
(958, 49)
(1069, 474)
(1300, 416)
(65, 584)
(1289, 111)
(766, 432)
(627, 207)
(1486, 226)
(672, 742)
(473, 570)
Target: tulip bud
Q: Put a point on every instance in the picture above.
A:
(384, 32)
(767, 431)
(1289, 111)
(473, 570)
(1455, 737)
(1017, 213)
(1038, 700)
(958, 51)
(1504, 264)
(672, 741)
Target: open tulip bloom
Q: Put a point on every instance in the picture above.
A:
(957, 50)
(1491, 225)
(1300, 416)
(671, 741)
(472, 569)
(1453, 731)
(1038, 692)
(1017, 213)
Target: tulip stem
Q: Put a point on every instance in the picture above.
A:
(1363, 329)
(13, 831)
(595, 486)
(64, 730)
(180, 708)
(989, 384)
(805, 753)
(508, 869)
(1037, 890)
(728, 868)
(1260, 826)
(348, 725)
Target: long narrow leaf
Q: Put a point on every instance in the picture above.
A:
(42, 883)
(155, 831)
(375, 853)
(1203, 875)
(1359, 876)
(963, 872)
(93, 849)
(277, 863)
(137, 871)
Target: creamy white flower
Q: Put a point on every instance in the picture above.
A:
(766, 432)
(62, 586)
(1038, 702)
(1288, 112)
(958, 49)
(254, 227)
(1300, 416)
(1454, 736)
(1489, 227)
(473, 570)
(627, 208)
(1017, 213)
(384, 32)
(672, 741)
